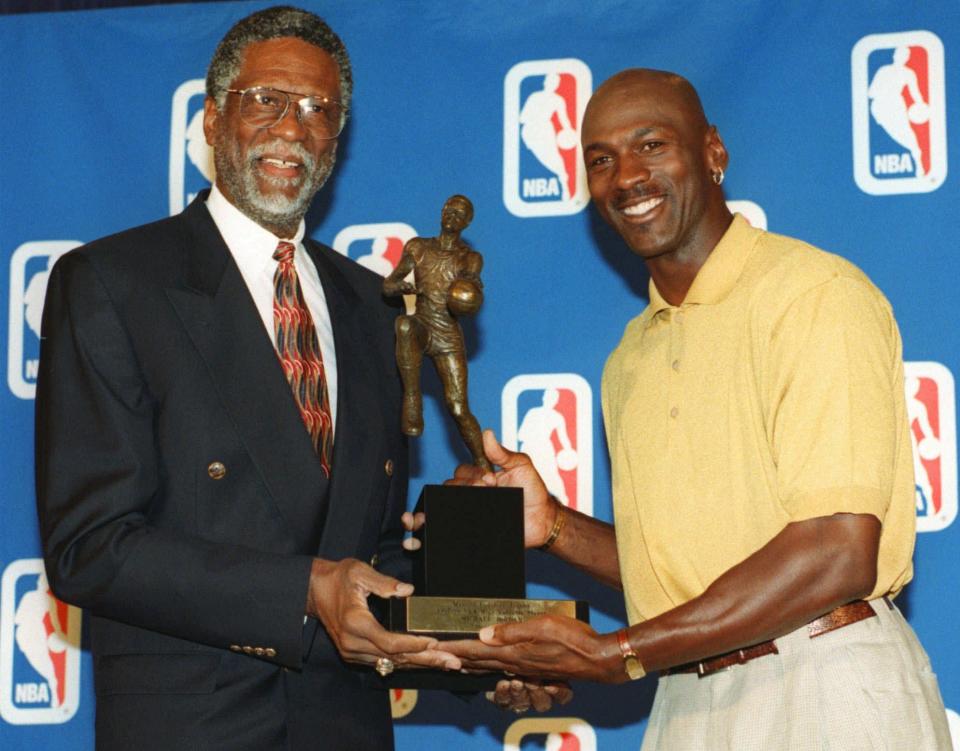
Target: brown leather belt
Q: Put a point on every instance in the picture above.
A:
(852, 612)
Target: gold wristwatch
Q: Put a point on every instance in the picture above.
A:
(631, 661)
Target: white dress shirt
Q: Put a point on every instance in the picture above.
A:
(252, 248)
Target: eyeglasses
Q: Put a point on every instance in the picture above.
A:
(262, 107)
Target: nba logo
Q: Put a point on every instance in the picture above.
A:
(931, 411)
(750, 211)
(953, 722)
(39, 649)
(374, 246)
(191, 159)
(549, 417)
(556, 734)
(29, 270)
(543, 103)
(402, 702)
(899, 113)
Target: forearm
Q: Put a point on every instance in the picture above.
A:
(183, 586)
(807, 570)
(588, 544)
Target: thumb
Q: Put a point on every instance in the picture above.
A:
(502, 634)
(497, 454)
(385, 586)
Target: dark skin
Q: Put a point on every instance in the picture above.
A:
(338, 590)
(651, 158)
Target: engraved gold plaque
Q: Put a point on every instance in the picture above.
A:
(447, 617)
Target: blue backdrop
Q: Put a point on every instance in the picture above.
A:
(837, 117)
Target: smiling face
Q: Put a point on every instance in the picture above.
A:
(650, 156)
(271, 174)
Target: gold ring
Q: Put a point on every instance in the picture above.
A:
(384, 666)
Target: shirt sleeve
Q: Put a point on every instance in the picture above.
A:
(833, 407)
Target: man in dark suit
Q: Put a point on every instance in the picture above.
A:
(218, 444)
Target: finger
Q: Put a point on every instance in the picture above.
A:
(540, 698)
(518, 694)
(406, 518)
(539, 629)
(411, 544)
(501, 694)
(373, 582)
(471, 649)
(562, 692)
(467, 473)
(429, 658)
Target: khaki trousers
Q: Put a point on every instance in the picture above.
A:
(867, 686)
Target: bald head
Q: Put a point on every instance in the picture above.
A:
(674, 93)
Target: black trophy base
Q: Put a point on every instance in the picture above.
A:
(468, 574)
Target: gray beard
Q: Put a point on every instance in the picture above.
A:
(274, 210)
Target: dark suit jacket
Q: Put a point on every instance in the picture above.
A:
(155, 365)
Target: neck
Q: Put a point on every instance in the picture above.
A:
(674, 271)
(449, 239)
(284, 232)
(284, 227)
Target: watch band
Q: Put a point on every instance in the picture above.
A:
(631, 661)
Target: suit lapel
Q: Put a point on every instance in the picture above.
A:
(359, 428)
(222, 321)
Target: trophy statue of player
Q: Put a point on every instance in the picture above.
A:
(469, 571)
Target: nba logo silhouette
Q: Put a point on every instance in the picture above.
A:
(375, 246)
(899, 113)
(402, 702)
(751, 211)
(931, 411)
(39, 649)
(191, 159)
(543, 103)
(550, 734)
(549, 417)
(30, 268)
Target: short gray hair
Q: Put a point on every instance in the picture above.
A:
(274, 23)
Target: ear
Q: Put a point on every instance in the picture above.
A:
(211, 116)
(716, 153)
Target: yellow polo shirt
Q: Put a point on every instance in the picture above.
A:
(773, 394)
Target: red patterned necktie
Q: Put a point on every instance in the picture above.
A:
(299, 351)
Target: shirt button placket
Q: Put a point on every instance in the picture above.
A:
(676, 348)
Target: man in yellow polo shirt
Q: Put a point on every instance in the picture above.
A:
(762, 476)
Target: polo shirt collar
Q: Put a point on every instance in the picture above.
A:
(720, 271)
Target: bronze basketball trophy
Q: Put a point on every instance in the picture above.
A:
(469, 570)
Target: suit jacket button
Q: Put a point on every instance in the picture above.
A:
(374, 559)
(259, 651)
(236, 648)
(247, 649)
(270, 652)
(216, 470)
(388, 467)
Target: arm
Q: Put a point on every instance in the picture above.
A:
(394, 284)
(808, 569)
(472, 266)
